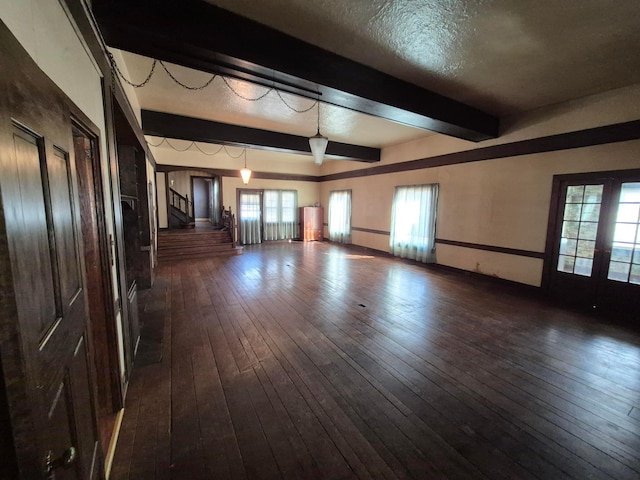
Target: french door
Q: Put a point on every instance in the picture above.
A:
(596, 241)
(250, 216)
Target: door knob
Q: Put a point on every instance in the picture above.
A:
(65, 461)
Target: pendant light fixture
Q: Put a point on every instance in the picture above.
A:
(245, 172)
(318, 143)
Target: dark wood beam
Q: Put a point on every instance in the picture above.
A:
(161, 124)
(198, 35)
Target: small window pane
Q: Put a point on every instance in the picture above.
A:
(630, 192)
(572, 211)
(568, 246)
(628, 212)
(634, 277)
(588, 231)
(565, 263)
(583, 267)
(590, 212)
(625, 232)
(593, 194)
(586, 248)
(621, 252)
(575, 194)
(618, 271)
(570, 229)
(636, 255)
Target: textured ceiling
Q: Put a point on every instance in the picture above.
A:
(503, 56)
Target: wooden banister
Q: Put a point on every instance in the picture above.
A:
(181, 202)
(229, 222)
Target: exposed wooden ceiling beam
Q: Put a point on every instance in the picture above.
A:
(161, 124)
(202, 36)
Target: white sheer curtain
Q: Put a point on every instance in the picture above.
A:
(340, 216)
(250, 218)
(413, 222)
(280, 214)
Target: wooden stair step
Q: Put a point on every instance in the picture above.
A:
(185, 255)
(207, 248)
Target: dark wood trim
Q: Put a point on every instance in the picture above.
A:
(483, 278)
(87, 26)
(552, 223)
(492, 248)
(618, 132)
(292, 177)
(82, 123)
(370, 230)
(167, 125)
(213, 44)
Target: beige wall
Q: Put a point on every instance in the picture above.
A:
(502, 202)
(308, 192)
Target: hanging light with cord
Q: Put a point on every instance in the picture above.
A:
(318, 143)
(245, 172)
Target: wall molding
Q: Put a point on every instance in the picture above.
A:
(618, 132)
(225, 172)
(492, 248)
(371, 230)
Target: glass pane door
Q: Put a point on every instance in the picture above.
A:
(250, 217)
(580, 229)
(596, 238)
(624, 265)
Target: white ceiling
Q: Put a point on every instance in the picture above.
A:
(504, 57)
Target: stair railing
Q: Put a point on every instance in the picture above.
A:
(182, 203)
(229, 223)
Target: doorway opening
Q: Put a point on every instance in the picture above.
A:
(194, 198)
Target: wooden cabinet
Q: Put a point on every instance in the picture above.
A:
(311, 219)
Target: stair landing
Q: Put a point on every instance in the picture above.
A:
(198, 242)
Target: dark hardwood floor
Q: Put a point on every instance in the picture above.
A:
(311, 361)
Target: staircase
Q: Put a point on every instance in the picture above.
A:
(180, 210)
(196, 243)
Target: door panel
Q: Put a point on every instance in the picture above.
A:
(620, 289)
(50, 385)
(64, 227)
(28, 236)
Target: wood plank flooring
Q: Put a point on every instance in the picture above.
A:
(312, 361)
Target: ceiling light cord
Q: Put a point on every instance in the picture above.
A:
(116, 69)
(194, 144)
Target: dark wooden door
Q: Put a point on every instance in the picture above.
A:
(596, 254)
(55, 421)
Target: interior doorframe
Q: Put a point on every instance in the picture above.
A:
(82, 123)
(554, 220)
(193, 193)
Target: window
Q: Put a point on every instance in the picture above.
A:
(624, 265)
(413, 222)
(340, 216)
(250, 217)
(280, 214)
(579, 229)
